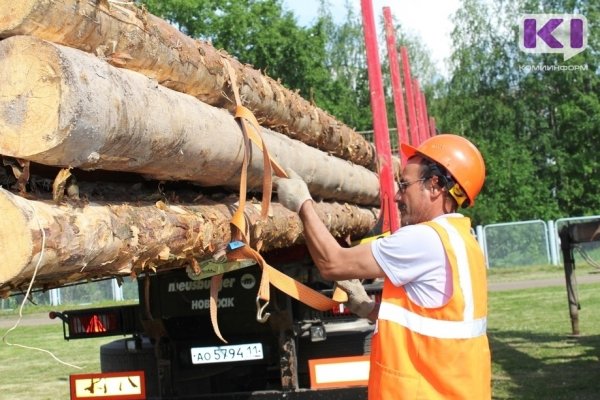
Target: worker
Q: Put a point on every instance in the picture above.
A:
(430, 338)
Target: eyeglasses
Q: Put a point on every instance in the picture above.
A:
(402, 185)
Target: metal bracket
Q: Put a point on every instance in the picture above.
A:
(218, 264)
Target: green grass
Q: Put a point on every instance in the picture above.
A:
(28, 374)
(533, 353)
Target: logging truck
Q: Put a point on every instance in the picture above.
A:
(132, 150)
(299, 353)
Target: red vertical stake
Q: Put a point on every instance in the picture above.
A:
(390, 36)
(389, 211)
(417, 105)
(432, 127)
(410, 100)
(425, 116)
(418, 110)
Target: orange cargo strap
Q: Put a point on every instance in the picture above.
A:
(239, 231)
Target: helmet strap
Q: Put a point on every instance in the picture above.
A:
(446, 181)
(459, 195)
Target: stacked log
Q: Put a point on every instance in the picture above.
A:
(132, 38)
(68, 108)
(73, 243)
(61, 107)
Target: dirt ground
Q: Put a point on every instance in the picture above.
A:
(528, 284)
(7, 322)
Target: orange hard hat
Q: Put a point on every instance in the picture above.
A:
(459, 156)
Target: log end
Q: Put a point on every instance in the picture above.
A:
(30, 96)
(13, 14)
(16, 241)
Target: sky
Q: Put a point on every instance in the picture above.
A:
(428, 19)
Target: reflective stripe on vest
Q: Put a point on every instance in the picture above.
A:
(469, 327)
(432, 327)
(462, 263)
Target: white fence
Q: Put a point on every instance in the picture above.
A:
(83, 294)
(525, 243)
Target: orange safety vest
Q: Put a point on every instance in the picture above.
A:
(436, 353)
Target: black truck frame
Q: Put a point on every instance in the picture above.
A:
(169, 336)
(571, 236)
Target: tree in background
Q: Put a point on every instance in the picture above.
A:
(478, 104)
(346, 95)
(562, 119)
(536, 128)
(256, 32)
(325, 61)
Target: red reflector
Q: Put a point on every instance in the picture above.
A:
(95, 325)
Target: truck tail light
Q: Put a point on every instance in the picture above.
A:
(94, 324)
(97, 322)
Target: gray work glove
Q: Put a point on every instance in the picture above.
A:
(292, 192)
(359, 301)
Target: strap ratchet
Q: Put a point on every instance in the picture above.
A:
(219, 264)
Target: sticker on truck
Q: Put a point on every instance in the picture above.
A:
(126, 385)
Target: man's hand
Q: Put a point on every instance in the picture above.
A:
(292, 192)
(359, 301)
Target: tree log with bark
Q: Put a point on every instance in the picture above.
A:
(69, 243)
(129, 37)
(63, 107)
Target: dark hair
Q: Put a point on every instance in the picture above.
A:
(430, 168)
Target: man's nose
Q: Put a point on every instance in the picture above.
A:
(398, 196)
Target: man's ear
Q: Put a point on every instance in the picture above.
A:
(435, 188)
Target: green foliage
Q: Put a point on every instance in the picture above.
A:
(257, 32)
(325, 62)
(74, 295)
(346, 95)
(537, 129)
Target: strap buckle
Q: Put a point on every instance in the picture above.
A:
(261, 316)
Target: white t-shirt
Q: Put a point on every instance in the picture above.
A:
(414, 257)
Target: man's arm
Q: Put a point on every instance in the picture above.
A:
(334, 261)
(343, 265)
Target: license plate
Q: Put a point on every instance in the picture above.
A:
(220, 354)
